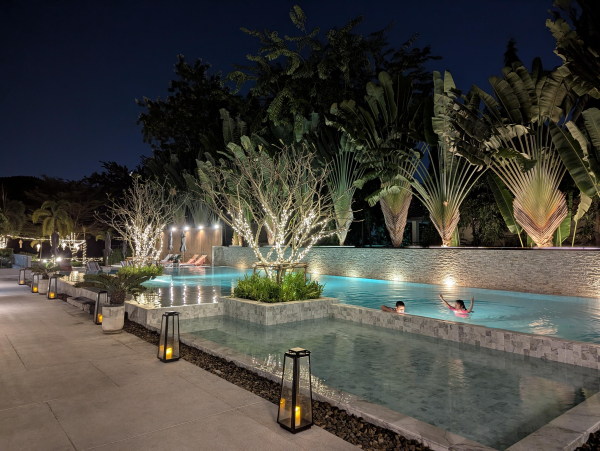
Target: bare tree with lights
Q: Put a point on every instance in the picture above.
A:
(141, 215)
(285, 193)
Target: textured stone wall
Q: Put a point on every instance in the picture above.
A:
(546, 271)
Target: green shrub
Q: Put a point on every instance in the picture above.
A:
(117, 256)
(6, 253)
(151, 271)
(265, 289)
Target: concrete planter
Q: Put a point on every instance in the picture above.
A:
(113, 318)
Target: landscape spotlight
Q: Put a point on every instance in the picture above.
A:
(216, 226)
(200, 227)
(173, 229)
(186, 228)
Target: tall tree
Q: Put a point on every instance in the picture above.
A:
(55, 218)
(295, 76)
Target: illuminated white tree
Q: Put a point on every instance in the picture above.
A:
(141, 216)
(285, 193)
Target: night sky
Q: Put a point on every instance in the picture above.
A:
(70, 71)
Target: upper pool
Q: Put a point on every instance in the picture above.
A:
(572, 318)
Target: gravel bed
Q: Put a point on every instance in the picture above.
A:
(336, 421)
(593, 443)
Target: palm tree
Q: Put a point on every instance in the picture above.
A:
(56, 218)
(512, 137)
(382, 136)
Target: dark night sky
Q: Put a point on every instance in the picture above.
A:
(70, 70)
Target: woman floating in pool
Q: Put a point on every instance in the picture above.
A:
(459, 308)
(399, 308)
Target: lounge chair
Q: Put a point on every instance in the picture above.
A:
(190, 262)
(166, 259)
(123, 264)
(201, 260)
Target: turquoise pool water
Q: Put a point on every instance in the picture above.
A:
(558, 316)
(495, 398)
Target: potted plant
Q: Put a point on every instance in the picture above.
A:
(118, 287)
(175, 259)
(46, 271)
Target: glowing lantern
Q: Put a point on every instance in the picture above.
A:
(296, 392)
(22, 276)
(52, 287)
(101, 299)
(168, 345)
(35, 283)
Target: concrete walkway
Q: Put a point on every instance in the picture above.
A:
(65, 386)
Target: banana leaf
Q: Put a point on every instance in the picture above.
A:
(564, 230)
(585, 203)
(505, 203)
(574, 158)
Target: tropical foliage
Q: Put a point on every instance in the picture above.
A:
(152, 271)
(293, 287)
(512, 137)
(118, 285)
(55, 217)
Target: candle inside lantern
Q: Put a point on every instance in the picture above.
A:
(100, 317)
(297, 415)
(282, 404)
(51, 295)
(169, 352)
(35, 289)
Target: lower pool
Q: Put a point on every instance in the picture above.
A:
(572, 318)
(495, 398)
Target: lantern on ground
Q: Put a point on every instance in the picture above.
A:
(52, 287)
(168, 345)
(295, 402)
(35, 283)
(22, 276)
(101, 299)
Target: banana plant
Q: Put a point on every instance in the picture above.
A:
(384, 139)
(512, 137)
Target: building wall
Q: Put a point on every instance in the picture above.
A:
(563, 272)
(196, 241)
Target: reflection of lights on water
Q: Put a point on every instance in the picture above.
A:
(450, 282)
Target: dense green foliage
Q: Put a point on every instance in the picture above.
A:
(265, 289)
(151, 271)
(118, 285)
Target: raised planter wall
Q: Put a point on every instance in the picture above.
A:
(564, 272)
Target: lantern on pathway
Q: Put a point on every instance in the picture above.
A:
(22, 276)
(101, 299)
(52, 287)
(35, 283)
(295, 402)
(168, 345)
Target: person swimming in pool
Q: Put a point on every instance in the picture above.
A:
(459, 308)
(399, 308)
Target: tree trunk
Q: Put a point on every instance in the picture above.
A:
(395, 222)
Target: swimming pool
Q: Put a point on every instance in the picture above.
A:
(572, 318)
(495, 398)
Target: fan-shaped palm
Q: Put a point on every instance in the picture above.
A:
(117, 285)
(512, 136)
(55, 218)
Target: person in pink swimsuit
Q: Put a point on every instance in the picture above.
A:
(459, 308)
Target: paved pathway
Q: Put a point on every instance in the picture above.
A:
(66, 386)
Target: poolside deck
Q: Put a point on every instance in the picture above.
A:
(64, 385)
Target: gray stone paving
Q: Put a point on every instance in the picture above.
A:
(65, 386)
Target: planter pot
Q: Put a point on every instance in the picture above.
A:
(113, 318)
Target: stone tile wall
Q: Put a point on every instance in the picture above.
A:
(269, 314)
(563, 272)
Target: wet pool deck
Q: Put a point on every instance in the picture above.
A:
(64, 385)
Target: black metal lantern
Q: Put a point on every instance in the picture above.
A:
(35, 283)
(22, 276)
(168, 345)
(295, 402)
(101, 299)
(52, 288)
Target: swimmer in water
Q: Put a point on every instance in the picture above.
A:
(399, 308)
(459, 308)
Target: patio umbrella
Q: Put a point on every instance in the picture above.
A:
(107, 245)
(170, 246)
(54, 239)
(182, 248)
